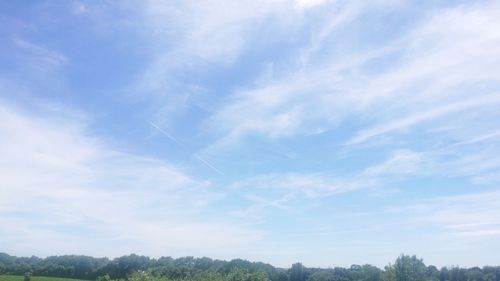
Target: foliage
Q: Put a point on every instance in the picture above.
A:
(34, 278)
(105, 277)
(140, 268)
(410, 268)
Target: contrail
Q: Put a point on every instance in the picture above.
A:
(208, 164)
(166, 134)
(199, 158)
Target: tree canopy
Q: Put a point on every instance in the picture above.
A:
(140, 268)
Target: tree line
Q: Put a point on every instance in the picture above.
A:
(141, 268)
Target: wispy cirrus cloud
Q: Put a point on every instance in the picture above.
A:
(311, 185)
(189, 36)
(39, 54)
(462, 216)
(331, 126)
(420, 117)
(57, 179)
(400, 162)
(434, 54)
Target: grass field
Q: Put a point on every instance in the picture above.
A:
(35, 278)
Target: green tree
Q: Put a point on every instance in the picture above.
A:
(322, 275)
(103, 278)
(409, 268)
(257, 276)
(475, 274)
(444, 275)
(370, 273)
(458, 274)
(141, 276)
(27, 276)
(236, 274)
(389, 273)
(433, 273)
(298, 272)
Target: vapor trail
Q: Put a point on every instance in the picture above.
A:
(198, 157)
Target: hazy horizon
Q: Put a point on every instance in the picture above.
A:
(326, 132)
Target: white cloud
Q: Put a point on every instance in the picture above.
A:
(479, 233)
(305, 4)
(311, 185)
(60, 184)
(420, 117)
(40, 55)
(215, 30)
(485, 137)
(430, 78)
(462, 216)
(187, 36)
(401, 162)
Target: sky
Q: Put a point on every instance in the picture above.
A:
(326, 132)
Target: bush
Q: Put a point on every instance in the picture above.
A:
(27, 276)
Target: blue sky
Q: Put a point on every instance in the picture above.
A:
(326, 132)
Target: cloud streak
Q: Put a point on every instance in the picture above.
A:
(317, 96)
(56, 178)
